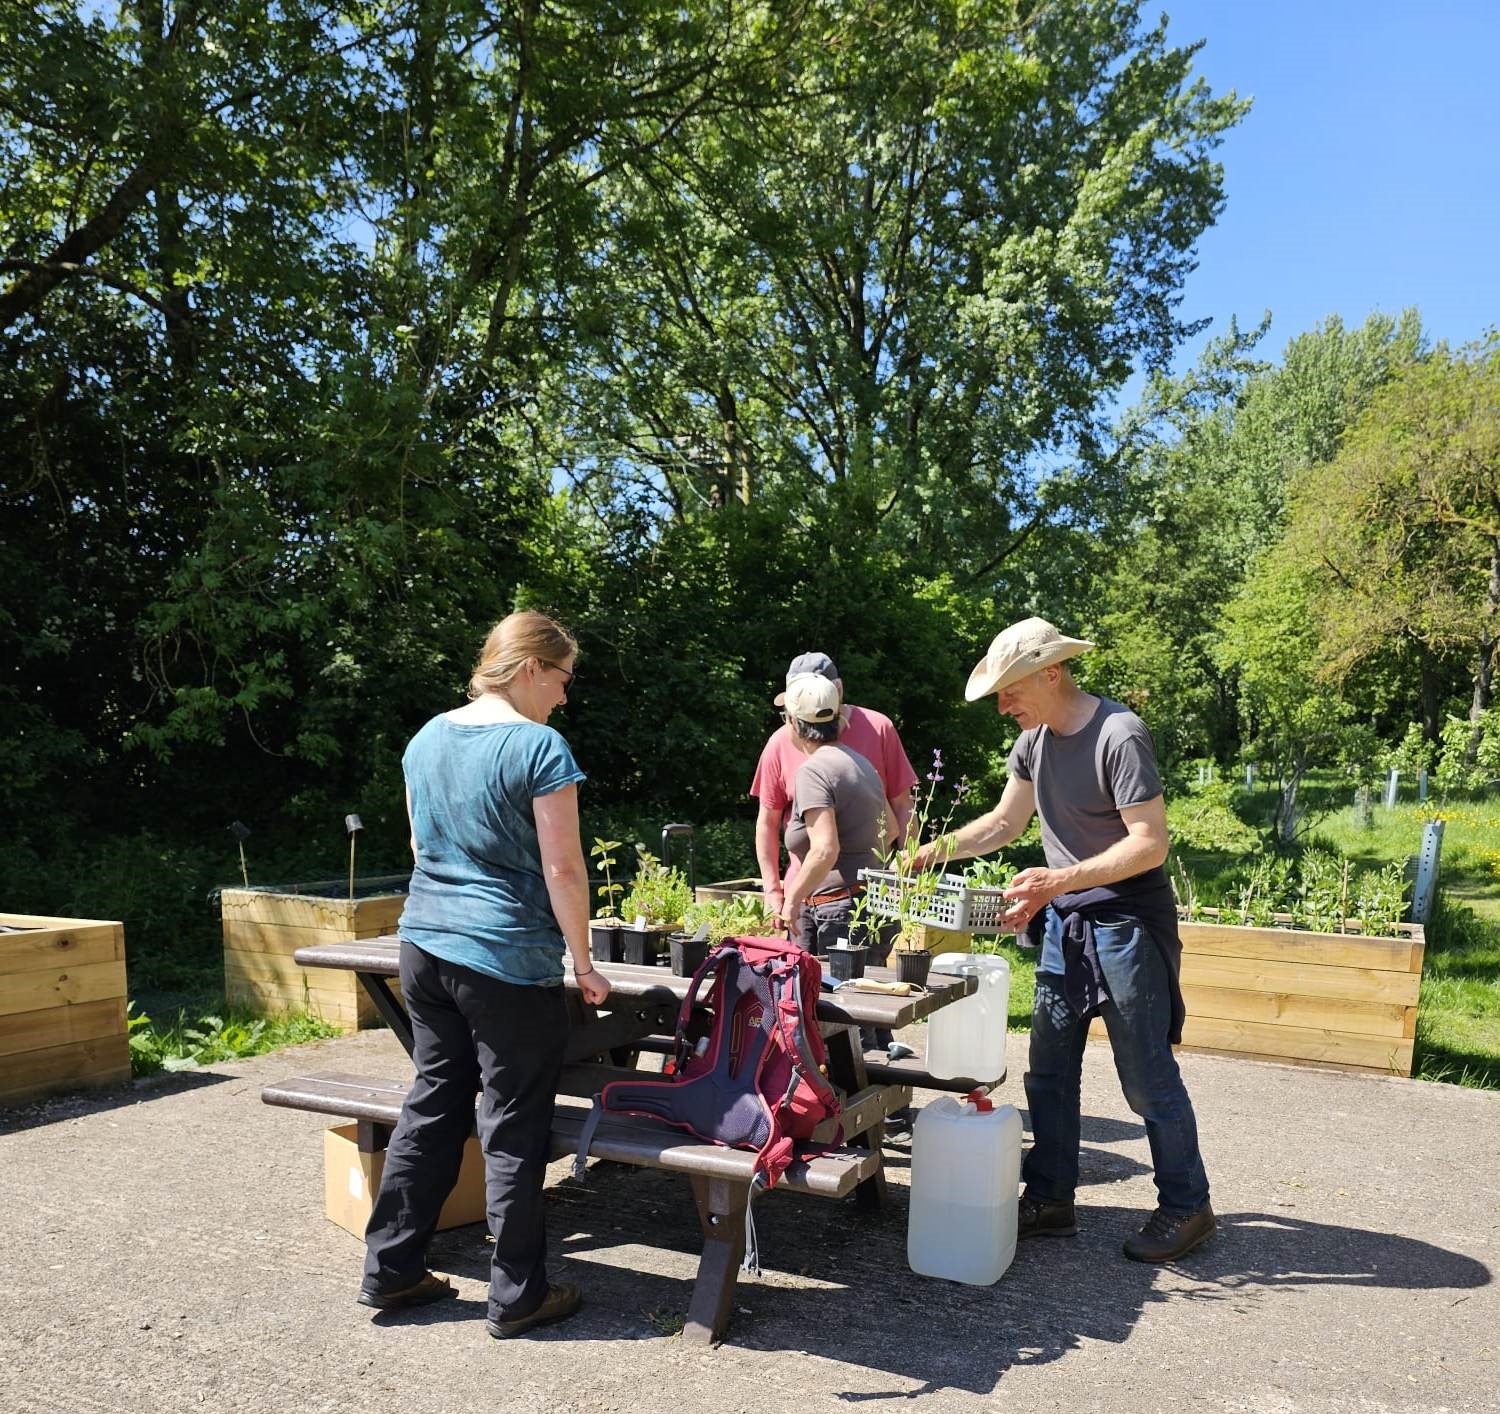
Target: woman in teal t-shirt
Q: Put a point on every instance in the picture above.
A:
(498, 891)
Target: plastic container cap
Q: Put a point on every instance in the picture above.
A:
(980, 1100)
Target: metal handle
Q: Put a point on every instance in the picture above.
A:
(667, 831)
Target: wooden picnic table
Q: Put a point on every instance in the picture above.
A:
(641, 1010)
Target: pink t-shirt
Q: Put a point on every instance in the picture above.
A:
(871, 734)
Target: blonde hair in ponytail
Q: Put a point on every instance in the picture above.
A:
(513, 641)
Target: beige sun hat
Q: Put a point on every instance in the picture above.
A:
(1017, 652)
(810, 697)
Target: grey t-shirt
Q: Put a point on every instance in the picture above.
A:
(1084, 780)
(839, 777)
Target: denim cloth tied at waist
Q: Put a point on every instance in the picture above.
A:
(1146, 899)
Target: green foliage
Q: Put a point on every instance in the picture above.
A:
(1204, 818)
(1414, 753)
(658, 894)
(186, 1044)
(1462, 765)
(1320, 890)
(602, 853)
(728, 918)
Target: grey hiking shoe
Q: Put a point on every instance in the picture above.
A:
(1168, 1236)
(1044, 1217)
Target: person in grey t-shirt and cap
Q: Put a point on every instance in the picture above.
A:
(1103, 914)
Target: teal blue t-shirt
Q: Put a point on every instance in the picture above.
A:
(478, 896)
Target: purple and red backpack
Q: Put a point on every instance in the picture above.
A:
(756, 1077)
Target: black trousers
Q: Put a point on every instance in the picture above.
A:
(473, 1034)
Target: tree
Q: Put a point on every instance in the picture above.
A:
(1404, 524)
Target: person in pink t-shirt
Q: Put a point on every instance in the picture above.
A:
(871, 734)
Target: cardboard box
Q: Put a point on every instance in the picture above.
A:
(351, 1180)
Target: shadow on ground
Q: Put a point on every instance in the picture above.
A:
(1056, 1297)
(91, 1102)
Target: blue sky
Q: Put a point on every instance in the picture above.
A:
(1366, 176)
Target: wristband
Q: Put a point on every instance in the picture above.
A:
(589, 973)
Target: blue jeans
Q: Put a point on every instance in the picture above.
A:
(1137, 1016)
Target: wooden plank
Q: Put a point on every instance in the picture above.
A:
(78, 1064)
(374, 916)
(1252, 1041)
(243, 935)
(46, 920)
(267, 997)
(1283, 945)
(61, 947)
(1282, 1008)
(39, 990)
(61, 1025)
(273, 967)
(1301, 979)
(339, 917)
(1379, 1052)
(1290, 1060)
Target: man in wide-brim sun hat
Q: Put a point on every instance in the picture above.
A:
(1104, 916)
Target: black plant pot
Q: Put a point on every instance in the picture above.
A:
(688, 954)
(643, 946)
(913, 967)
(604, 942)
(845, 964)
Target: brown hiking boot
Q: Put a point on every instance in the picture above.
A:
(1168, 1236)
(1044, 1217)
(557, 1305)
(430, 1288)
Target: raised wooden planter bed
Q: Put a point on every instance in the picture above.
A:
(62, 1005)
(263, 927)
(731, 888)
(1330, 999)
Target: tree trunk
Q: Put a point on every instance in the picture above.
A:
(1432, 698)
(1484, 667)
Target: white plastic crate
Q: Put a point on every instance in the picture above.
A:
(953, 902)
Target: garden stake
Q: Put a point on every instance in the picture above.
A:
(354, 825)
(241, 832)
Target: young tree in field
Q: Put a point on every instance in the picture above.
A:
(1404, 525)
(1292, 717)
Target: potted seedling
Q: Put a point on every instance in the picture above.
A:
(604, 930)
(657, 899)
(846, 960)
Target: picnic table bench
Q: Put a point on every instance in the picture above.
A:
(603, 1044)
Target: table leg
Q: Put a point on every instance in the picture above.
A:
(846, 1068)
(390, 1009)
(721, 1213)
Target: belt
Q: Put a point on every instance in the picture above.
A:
(834, 895)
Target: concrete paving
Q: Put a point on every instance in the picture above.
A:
(166, 1250)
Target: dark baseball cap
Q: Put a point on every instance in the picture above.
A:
(819, 663)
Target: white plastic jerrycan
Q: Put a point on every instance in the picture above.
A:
(965, 1183)
(966, 1041)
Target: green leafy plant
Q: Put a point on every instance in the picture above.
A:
(658, 894)
(603, 855)
(728, 918)
(204, 1040)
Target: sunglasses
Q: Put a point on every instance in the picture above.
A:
(568, 678)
